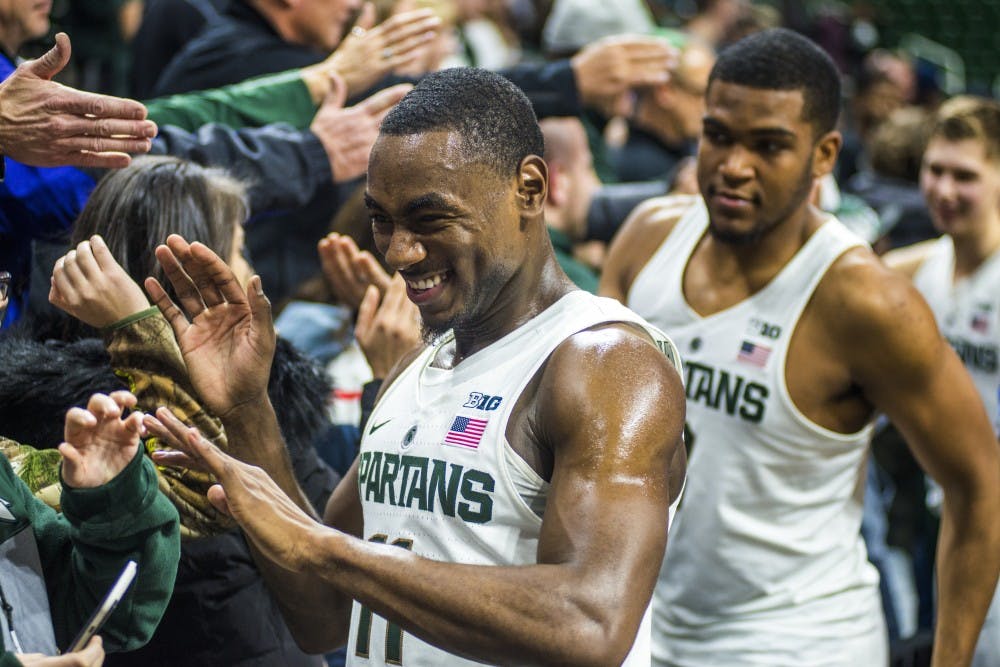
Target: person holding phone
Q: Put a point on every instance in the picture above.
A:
(55, 569)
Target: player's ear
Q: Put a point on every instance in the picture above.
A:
(825, 153)
(532, 185)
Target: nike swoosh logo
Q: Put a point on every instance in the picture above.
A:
(376, 427)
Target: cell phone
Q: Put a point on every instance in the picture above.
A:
(107, 606)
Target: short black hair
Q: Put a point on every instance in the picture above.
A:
(493, 116)
(781, 59)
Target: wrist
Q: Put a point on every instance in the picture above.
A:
(136, 316)
(317, 81)
(251, 422)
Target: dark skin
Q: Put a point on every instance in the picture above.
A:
(757, 151)
(604, 440)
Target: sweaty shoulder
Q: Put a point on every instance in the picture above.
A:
(640, 236)
(873, 315)
(607, 394)
(909, 259)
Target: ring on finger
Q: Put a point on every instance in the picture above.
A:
(387, 53)
(358, 31)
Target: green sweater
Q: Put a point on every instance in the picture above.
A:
(274, 98)
(82, 551)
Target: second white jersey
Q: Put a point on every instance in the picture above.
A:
(968, 314)
(765, 565)
(437, 475)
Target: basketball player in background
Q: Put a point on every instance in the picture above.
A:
(793, 335)
(959, 273)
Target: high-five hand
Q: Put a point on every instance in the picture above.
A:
(272, 521)
(225, 333)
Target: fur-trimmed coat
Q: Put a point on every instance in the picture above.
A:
(220, 612)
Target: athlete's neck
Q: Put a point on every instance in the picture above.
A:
(756, 264)
(971, 250)
(518, 305)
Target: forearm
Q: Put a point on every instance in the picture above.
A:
(285, 97)
(286, 166)
(550, 613)
(254, 437)
(128, 518)
(968, 560)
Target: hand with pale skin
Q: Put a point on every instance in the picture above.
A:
(349, 134)
(92, 655)
(369, 53)
(47, 124)
(225, 333)
(98, 442)
(386, 331)
(348, 270)
(607, 70)
(245, 492)
(89, 284)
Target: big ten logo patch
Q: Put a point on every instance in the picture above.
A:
(478, 401)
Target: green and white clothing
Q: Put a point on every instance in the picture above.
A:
(56, 568)
(438, 476)
(968, 314)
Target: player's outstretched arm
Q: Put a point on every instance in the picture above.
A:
(613, 436)
(907, 369)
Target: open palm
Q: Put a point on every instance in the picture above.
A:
(225, 333)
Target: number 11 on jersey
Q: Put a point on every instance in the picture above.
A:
(393, 633)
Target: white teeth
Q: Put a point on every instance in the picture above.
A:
(426, 283)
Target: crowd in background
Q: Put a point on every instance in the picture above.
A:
(265, 120)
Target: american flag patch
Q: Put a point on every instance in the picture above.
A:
(753, 354)
(466, 432)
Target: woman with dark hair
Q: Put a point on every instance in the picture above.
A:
(220, 613)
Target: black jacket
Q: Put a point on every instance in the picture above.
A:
(220, 612)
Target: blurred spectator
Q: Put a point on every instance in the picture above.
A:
(220, 612)
(890, 181)
(572, 184)
(886, 82)
(166, 27)
(714, 20)
(573, 24)
(666, 122)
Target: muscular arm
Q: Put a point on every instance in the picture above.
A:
(601, 542)
(906, 369)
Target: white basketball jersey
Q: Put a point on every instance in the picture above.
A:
(437, 475)
(765, 564)
(968, 314)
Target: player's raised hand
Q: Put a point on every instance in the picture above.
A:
(225, 333)
(272, 521)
